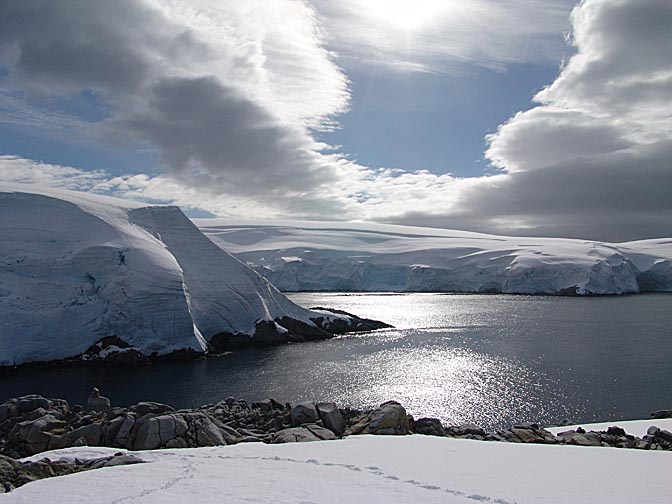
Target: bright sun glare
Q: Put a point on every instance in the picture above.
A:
(404, 14)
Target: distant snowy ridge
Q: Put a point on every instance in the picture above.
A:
(81, 271)
(332, 256)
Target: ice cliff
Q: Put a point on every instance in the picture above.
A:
(85, 274)
(326, 256)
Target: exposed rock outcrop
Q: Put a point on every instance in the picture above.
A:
(33, 424)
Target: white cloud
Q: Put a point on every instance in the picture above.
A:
(229, 91)
(441, 35)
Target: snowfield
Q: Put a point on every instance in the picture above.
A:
(371, 469)
(333, 256)
(76, 268)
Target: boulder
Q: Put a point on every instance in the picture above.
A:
(28, 403)
(331, 417)
(7, 467)
(143, 408)
(389, 419)
(153, 432)
(527, 435)
(123, 436)
(304, 413)
(662, 414)
(429, 427)
(465, 430)
(91, 433)
(32, 436)
(302, 434)
(208, 434)
(8, 410)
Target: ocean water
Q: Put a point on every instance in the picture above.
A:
(486, 359)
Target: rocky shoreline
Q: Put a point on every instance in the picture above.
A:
(113, 351)
(33, 424)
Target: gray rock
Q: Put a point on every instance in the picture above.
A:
(527, 435)
(111, 429)
(35, 414)
(8, 410)
(302, 434)
(32, 436)
(664, 434)
(143, 408)
(304, 413)
(177, 443)
(466, 430)
(266, 405)
(57, 442)
(389, 419)
(7, 468)
(526, 425)
(331, 417)
(29, 403)
(576, 438)
(249, 439)
(208, 434)
(152, 432)
(662, 414)
(122, 437)
(91, 433)
(429, 427)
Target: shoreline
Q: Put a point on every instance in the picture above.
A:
(33, 424)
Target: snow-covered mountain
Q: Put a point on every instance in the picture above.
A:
(87, 273)
(326, 256)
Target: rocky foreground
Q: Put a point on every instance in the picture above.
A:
(33, 424)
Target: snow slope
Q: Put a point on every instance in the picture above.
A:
(297, 256)
(76, 267)
(399, 469)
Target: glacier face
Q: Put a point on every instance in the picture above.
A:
(327, 256)
(76, 268)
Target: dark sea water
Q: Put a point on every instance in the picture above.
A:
(487, 359)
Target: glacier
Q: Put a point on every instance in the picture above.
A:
(88, 275)
(357, 256)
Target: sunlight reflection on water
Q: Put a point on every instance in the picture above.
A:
(489, 360)
(458, 385)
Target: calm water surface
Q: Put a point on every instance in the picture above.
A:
(487, 359)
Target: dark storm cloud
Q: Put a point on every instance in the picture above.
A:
(594, 159)
(613, 197)
(213, 137)
(65, 46)
(167, 89)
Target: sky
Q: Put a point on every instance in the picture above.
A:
(516, 117)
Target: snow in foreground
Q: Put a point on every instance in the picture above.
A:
(350, 256)
(400, 469)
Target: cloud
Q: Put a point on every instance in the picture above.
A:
(227, 94)
(440, 36)
(231, 98)
(591, 160)
(26, 171)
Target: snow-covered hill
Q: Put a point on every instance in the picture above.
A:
(399, 469)
(77, 269)
(326, 256)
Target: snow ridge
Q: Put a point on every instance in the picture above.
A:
(76, 268)
(330, 256)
